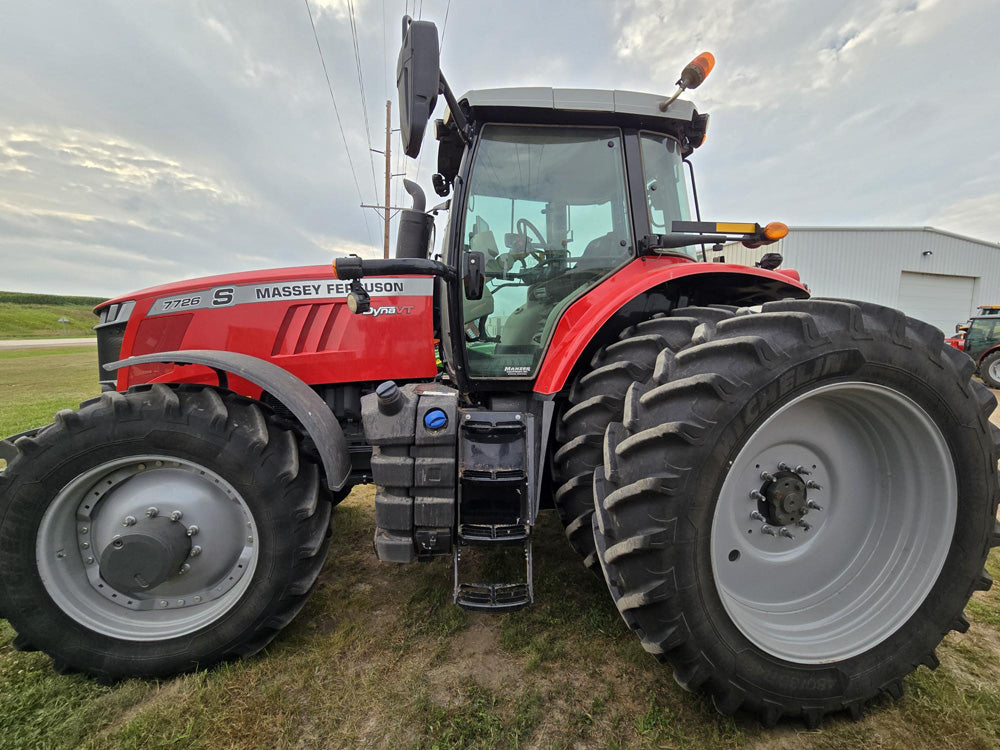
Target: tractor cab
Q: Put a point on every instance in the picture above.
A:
(553, 191)
(544, 198)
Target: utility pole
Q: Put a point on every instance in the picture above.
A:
(388, 172)
(386, 209)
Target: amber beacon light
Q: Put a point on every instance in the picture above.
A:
(693, 75)
(775, 231)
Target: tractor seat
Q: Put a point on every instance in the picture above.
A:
(602, 254)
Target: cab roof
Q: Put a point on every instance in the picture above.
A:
(543, 105)
(612, 102)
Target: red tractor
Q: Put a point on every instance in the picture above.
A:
(791, 500)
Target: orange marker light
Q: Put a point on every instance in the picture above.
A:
(775, 231)
(696, 71)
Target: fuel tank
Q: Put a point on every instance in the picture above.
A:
(296, 318)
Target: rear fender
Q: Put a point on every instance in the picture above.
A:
(593, 315)
(313, 414)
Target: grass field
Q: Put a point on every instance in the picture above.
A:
(36, 316)
(379, 657)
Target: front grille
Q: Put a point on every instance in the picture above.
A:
(109, 349)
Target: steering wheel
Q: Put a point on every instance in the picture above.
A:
(522, 227)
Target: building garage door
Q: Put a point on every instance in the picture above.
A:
(938, 299)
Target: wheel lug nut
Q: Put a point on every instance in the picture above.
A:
(756, 495)
(192, 530)
(813, 485)
(803, 525)
(90, 561)
(176, 516)
(184, 569)
(85, 545)
(84, 529)
(757, 516)
(767, 476)
(782, 466)
(785, 533)
(195, 551)
(813, 506)
(129, 521)
(800, 469)
(765, 529)
(152, 512)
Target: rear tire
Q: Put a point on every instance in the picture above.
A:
(881, 404)
(262, 532)
(596, 399)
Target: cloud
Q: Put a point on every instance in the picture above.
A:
(769, 49)
(143, 144)
(978, 216)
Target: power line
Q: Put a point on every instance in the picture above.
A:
(444, 26)
(336, 111)
(361, 87)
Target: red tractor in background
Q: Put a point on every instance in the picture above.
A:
(791, 500)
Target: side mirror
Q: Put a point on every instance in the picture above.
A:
(771, 261)
(473, 277)
(418, 81)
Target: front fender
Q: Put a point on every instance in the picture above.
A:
(984, 355)
(722, 283)
(313, 414)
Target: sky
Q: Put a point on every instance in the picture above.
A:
(147, 141)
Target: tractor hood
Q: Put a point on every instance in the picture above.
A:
(275, 275)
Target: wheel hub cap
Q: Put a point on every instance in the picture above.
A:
(146, 557)
(784, 500)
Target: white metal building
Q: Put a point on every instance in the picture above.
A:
(930, 274)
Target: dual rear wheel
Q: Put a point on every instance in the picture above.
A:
(791, 507)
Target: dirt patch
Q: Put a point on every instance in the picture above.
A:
(474, 655)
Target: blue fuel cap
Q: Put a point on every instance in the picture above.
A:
(435, 419)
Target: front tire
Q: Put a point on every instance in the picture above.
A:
(703, 501)
(157, 532)
(989, 370)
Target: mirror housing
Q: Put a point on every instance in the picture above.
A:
(418, 81)
(771, 261)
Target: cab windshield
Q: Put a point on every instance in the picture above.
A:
(666, 189)
(548, 209)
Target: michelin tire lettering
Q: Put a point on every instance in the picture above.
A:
(317, 289)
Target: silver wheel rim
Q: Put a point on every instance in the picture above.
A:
(107, 501)
(878, 538)
(995, 370)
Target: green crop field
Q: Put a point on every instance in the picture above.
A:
(380, 657)
(36, 316)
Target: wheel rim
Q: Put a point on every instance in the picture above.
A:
(886, 501)
(205, 524)
(995, 370)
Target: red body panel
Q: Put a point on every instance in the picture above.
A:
(312, 334)
(584, 318)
